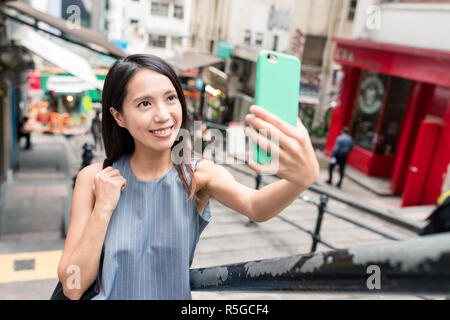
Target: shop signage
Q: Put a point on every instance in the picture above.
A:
(348, 56)
(371, 95)
(224, 50)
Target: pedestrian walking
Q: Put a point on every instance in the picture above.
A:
(23, 130)
(344, 144)
(96, 130)
(144, 214)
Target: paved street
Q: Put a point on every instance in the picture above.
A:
(33, 204)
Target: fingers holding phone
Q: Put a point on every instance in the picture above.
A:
(292, 154)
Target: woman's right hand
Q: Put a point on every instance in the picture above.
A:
(108, 184)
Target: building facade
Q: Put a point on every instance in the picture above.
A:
(396, 95)
(160, 27)
(301, 28)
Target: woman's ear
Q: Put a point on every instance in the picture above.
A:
(118, 117)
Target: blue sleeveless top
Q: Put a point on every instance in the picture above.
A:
(151, 238)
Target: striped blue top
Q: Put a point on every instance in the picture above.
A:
(151, 238)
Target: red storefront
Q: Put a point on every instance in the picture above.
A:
(396, 102)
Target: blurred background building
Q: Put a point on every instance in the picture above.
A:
(51, 69)
(379, 67)
(396, 95)
(156, 27)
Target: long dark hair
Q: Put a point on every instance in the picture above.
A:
(117, 140)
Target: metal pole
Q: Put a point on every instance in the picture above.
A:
(322, 205)
(258, 180)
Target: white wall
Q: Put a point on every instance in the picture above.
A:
(115, 20)
(422, 25)
(254, 16)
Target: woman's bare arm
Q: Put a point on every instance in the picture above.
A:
(294, 161)
(258, 205)
(79, 264)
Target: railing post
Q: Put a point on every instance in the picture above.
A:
(86, 159)
(316, 237)
(258, 180)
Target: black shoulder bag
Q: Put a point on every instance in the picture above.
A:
(94, 289)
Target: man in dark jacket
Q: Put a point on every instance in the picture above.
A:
(344, 144)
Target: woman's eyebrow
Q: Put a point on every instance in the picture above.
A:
(142, 98)
(150, 97)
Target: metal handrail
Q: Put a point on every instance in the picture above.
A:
(316, 235)
(417, 266)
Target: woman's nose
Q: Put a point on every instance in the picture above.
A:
(162, 114)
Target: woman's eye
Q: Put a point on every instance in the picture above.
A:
(172, 98)
(144, 104)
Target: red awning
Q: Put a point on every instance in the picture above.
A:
(423, 65)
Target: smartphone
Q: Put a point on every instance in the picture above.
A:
(277, 91)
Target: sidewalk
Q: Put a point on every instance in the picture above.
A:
(36, 196)
(32, 206)
(371, 195)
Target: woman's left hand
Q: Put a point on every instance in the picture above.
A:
(293, 159)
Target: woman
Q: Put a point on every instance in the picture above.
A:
(138, 211)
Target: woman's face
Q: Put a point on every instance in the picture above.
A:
(151, 112)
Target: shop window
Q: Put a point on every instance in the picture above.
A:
(367, 109)
(178, 12)
(352, 10)
(275, 43)
(259, 39)
(306, 114)
(157, 41)
(70, 103)
(313, 53)
(160, 9)
(248, 37)
(176, 41)
(393, 116)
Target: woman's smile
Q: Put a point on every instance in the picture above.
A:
(163, 133)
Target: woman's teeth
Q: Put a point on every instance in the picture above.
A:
(162, 132)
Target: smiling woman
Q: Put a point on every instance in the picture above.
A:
(140, 219)
(144, 109)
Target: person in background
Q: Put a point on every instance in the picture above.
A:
(344, 144)
(96, 130)
(24, 131)
(53, 101)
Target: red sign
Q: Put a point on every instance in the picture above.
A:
(418, 64)
(191, 73)
(34, 80)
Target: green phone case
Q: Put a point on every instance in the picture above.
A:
(277, 91)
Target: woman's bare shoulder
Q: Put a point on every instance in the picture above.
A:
(208, 172)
